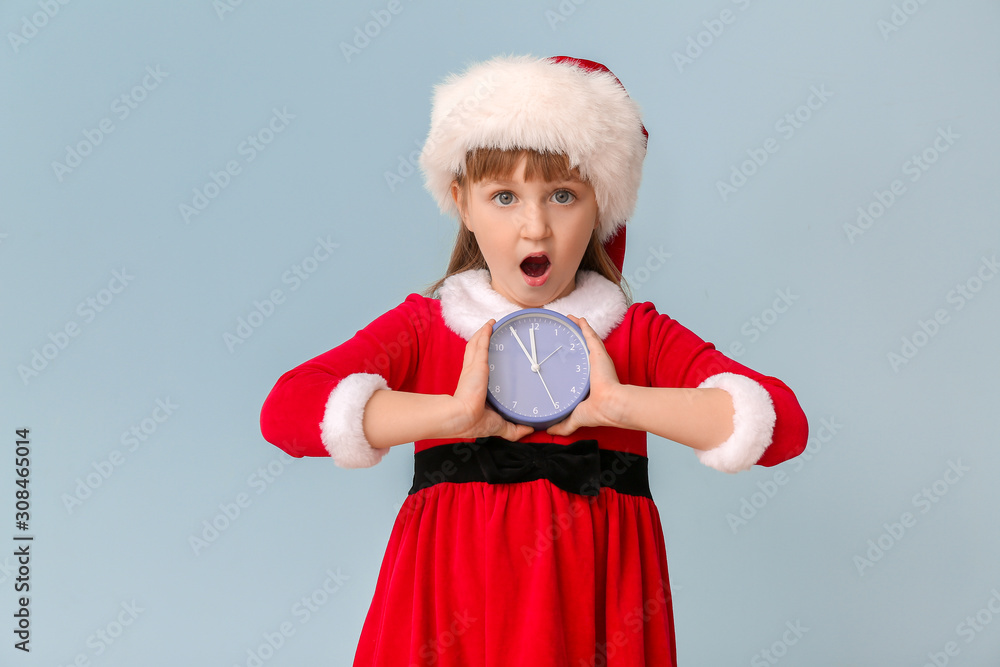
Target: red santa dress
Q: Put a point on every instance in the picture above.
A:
(500, 574)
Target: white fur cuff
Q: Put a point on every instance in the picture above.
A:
(753, 424)
(341, 429)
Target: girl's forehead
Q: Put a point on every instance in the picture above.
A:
(510, 164)
(516, 179)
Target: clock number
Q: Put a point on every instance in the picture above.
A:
(515, 404)
(535, 411)
(499, 347)
(557, 405)
(573, 389)
(491, 366)
(496, 389)
(534, 325)
(578, 368)
(572, 346)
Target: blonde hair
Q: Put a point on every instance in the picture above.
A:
(496, 163)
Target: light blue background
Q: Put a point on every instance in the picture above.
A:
(324, 176)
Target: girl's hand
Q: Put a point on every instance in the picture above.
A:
(475, 418)
(601, 406)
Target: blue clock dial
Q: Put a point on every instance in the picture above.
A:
(539, 367)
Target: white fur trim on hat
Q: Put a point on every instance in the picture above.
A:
(524, 102)
(468, 301)
(342, 431)
(753, 424)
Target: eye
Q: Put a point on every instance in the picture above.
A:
(505, 198)
(563, 197)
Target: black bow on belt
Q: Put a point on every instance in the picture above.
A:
(575, 468)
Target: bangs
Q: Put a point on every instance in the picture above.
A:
(499, 164)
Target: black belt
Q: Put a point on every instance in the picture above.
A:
(581, 467)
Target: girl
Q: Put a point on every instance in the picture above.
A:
(541, 160)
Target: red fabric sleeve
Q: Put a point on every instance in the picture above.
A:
(388, 346)
(668, 355)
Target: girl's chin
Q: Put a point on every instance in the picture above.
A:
(528, 296)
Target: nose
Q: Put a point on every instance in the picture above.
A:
(535, 221)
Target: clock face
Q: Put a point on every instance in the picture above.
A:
(539, 367)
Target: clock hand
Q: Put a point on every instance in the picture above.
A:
(539, 371)
(518, 339)
(535, 365)
(534, 354)
(550, 354)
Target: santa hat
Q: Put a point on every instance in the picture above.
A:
(557, 105)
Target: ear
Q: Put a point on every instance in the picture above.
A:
(456, 195)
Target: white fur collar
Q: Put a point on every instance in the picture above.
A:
(468, 301)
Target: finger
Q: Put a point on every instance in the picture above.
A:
(566, 426)
(496, 425)
(487, 333)
(483, 349)
(488, 326)
(484, 333)
(594, 343)
(514, 432)
(476, 343)
(584, 325)
(588, 330)
(471, 345)
(563, 428)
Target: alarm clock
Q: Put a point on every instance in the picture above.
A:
(539, 367)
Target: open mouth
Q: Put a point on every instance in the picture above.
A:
(535, 268)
